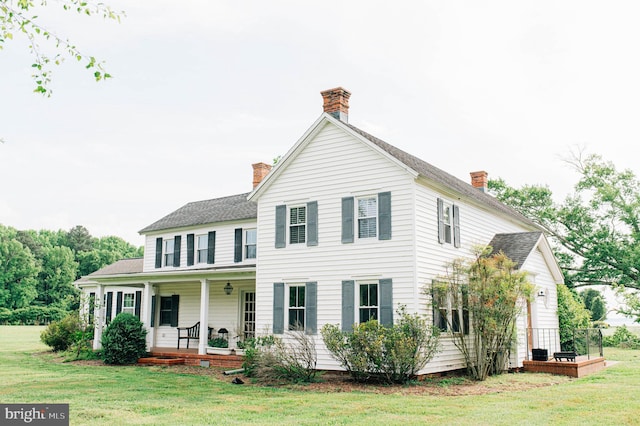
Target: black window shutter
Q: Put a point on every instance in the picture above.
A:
(278, 308)
(175, 303)
(237, 245)
(158, 252)
(138, 303)
(109, 306)
(190, 238)
(347, 220)
(281, 226)
(441, 238)
(211, 247)
(311, 307)
(177, 243)
(348, 311)
(384, 215)
(92, 306)
(118, 302)
(312, 223)
(153, 310)
(386, 302)
(456, 226)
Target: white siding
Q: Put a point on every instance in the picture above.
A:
(332, 166)
(225, 234)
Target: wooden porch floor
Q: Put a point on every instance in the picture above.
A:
(173, 356)
(580, 368)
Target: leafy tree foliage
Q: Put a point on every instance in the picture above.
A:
(596, 229)
(105, 251)
(595, 303)
(20, 18)
(18, 271)
(572, 314)
(55, 281)
(494, 293)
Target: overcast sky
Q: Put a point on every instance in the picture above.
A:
(202, 89)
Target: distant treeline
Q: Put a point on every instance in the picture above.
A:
(38, 268)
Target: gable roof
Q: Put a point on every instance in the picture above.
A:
(234, 207)
(122, 266)
(516, 246)
(441, 177)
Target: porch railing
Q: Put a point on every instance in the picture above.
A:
(583, 341)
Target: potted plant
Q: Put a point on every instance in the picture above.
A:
(241, 345)
(219, 346)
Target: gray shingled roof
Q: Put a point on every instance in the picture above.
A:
(516, 246)
(440, 176)
(122, 266)
(234, 207)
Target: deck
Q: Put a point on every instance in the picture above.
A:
(172, 356)
(580, 368)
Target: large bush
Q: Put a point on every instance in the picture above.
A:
(622, 338)
(60, 335)
(392, 354)
(124, 340)
(292, 359)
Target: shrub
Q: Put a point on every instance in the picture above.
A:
(60, 335)
(292, 359)
(622, 338)
(390, 354)
(219, 342)
(124, 340)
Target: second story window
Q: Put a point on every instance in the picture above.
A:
(203, 248)
(169, 246)
(297, 225)
(448, 223)
(250, 240)
(367, 217)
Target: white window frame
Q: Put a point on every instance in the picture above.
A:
(360, 307)
(246, 245)
(302, 225)
(296, 307)
(202, 251)
(447, 219)
(368, 216)
(129, 297)
(160, 310)
(459, 311)
(168, 254)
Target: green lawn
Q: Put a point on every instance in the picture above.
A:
(104, 395)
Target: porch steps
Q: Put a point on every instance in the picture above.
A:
(160, 360)
(183, 358)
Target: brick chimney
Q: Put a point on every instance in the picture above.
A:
(480, 180)
(260, 170)
(336, 103)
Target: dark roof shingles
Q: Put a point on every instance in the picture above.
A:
(516, 246)
(234, 207)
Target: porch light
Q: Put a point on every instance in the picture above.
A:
(228, 288)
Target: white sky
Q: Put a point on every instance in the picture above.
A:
(202, 89)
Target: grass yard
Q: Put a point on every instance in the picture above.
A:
(105, 395)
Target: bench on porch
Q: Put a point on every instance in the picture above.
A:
(192, 333)
(568, 355)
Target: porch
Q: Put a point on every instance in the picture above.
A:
(173, 356)
(543, 343)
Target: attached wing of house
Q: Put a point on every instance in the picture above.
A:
(344, 228)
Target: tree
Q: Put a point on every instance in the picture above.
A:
(18, 271)
(493, 293)
(572, 314)
(105, 251)
(595, 303)
(20, 18)
(596, 230)
(55, 281)
(79, 239)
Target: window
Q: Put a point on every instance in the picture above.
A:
(296, 307)
(450, 313)
(250, 239)
(128, 303)
(168, 252)
(297, 225)
(249, 314)
(166, 308)
(368, 302)
(367, 217)
(203, 248)
(448, 223)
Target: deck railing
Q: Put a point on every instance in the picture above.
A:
(584, 342)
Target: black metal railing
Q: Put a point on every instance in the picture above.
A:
(541, 343)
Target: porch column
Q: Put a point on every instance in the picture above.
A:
(98, 317)
(147, 311)
(204, 316)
